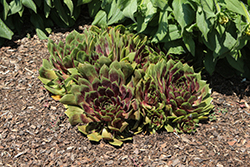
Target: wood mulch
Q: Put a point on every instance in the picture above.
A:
(35, 132)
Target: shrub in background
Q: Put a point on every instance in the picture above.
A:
(41, 14)
(115, 85)
(207, 32)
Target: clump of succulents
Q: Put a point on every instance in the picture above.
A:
(173, 96)
(105, 103)
(114, 85)
(95, 46)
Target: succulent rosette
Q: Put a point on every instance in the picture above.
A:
(103, 103)
(151, 105)
(175, 93)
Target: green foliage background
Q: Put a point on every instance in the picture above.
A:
(42, 14)
(214, 34)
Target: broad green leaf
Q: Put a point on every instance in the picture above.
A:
(160, 3)
(46, 9)
(21, 12)
(29, 4)
(70, 5)
(221, 30)
(15, 7)
(41, 34)
(5, 32)
(208, 8)
(246, 12)
(238, 64)
(37, 21)
(105, 3)
(229, 41)
(211, 40)
(189, 42)
(81, 2)
(209, 63)
(173, 33)
(49, 3)
(100, 19)
(235, 6)
(220, 45)
(140, 23)
(144, 18)
(61, 11)
(94, 7)
(202, 22)
(175, 47)
(176, 50)
(183, 13)
(114, 14)
(5, 8)
(130, 9)
(162, 28)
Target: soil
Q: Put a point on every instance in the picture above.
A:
(34, 131)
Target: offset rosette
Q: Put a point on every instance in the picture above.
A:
(106, 104)
(151, 105)
(178, 92)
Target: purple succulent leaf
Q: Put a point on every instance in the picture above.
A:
(113, 75)
(98, 49)
(115, 88)
(106, 118)
(192, 99)
(106, 46)
(87, 108)
(90, 96)
(96, 83)
(186, 106)
(109, 92)
(85, 119)
(101, 90)
(106, 82)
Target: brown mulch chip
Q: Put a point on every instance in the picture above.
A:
(34, 130)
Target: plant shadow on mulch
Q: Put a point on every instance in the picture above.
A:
(34, 130)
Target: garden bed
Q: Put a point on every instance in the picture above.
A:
(35, 132)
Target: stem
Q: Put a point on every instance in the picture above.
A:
(217, 6)
(246, 12)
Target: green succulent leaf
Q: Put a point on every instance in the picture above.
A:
(69, 99)
(106, 135)
(94, 137)
(169, 128)
(116, 142)
(83, 129)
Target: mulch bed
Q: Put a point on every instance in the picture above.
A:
(35, 132)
